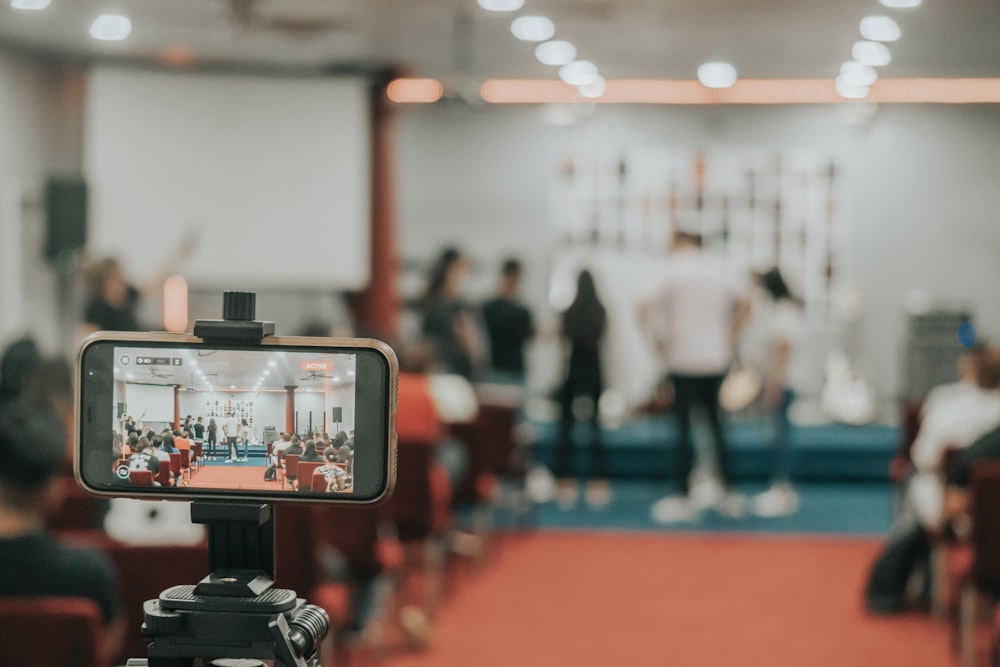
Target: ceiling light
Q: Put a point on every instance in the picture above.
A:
(532, 28)
(579, 73)
(501, 5)
(879, 29)
(272, 363)
(594, 89)
(856, 74)
(849, 90)
(30, 5)
(900, 4)
(558, 52)
(874, 54)
(414, 91)
(717, 75)
(111, 27)
(232, 386)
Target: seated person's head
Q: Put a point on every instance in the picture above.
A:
(178, 433)
(150, 434)
(296, 439)
(156, 441)
(168, 442)
(330, 455)
(310, 447)
(986, 367)
(143, 445)
(133, 441)
(32, 448)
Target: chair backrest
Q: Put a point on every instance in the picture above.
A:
(411, 505)
(318, 481)
(51, 631)
(291, 465)
(175, 463)
(196, 446)
(140, 477)
(163, 473)
(185, 459)
(985, 478)
(305, 474)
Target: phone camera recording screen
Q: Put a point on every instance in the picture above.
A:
(219, 422)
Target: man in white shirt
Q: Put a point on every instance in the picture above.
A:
(230, 430)
(695, 314)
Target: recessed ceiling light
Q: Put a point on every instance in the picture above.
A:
(111, 27)
(579, 73)
(717, 75)
(501, 5)
(558, 52)
(594, 89)
(232, 386)
(30, 5)
(856, 74)
(900, 4)
(879, 29)
(873, 54)
(850, 91)
(532, 28)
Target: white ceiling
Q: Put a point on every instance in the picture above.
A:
(455, 39)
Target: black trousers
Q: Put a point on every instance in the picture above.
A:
(581, 382)
(690, 392)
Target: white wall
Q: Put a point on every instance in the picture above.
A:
(921, 194)
(39, 135)
(269, 407)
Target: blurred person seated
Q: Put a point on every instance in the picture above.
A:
(335, 476)
(36, 564)
(309, 454)
(954, 421)
(341, 449)
(145, 458)
(958, 477)
(279, 446)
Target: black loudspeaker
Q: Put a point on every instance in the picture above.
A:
(337, 415)
(120, 410)
(65, 216)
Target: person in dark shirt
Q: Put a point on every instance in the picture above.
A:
(959, 473)
(508, 324)
(113, 302)
(36, 564)
(449, 322)
(310, 453)
(199, 430)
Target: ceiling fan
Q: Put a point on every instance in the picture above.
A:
(245, 16)
(317, 376)
(154, 372)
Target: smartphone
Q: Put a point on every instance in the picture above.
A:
(254, 417)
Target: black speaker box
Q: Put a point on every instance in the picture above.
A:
(65, 216)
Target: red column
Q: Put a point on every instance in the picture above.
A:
(177, 407)
(376, 308)
(290, 409)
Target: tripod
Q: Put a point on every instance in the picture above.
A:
(234, 617)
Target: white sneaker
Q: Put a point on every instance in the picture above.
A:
(597, 494)
(707, 493)
(779, 500)
(732, 505)
(567, 494)
(673, 509)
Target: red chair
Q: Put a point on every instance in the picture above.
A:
(51, 631)
(196, 457)
(163, 473)
(175, 467)
(981, 583)
(186, 464)
(140, 478)
(305, 474)
(291, 468)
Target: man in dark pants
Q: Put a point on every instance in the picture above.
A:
(695, 315)
(509, 325)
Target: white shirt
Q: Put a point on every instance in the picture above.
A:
(692, 314)
(230, 427)
(954, 421)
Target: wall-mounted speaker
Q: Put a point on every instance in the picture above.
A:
(337, 415)
(65, 217)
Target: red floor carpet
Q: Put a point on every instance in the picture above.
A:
(679, 601)
(247, 477)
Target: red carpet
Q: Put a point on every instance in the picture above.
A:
(233, 477)
(647, 599)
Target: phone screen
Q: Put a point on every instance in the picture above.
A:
(289, 419)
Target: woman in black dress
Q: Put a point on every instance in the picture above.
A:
(583, 326)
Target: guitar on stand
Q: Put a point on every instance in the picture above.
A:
(847, 396)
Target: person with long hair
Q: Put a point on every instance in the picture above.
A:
(448, 321)
(584, 325)
(783, 324)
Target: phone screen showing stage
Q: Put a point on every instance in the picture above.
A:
(217, 421)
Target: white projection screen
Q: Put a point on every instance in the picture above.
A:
(270, 176)
(149, 402)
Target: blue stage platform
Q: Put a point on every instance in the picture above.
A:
(644, 448)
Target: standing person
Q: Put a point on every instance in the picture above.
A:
(245, 437)
(584, 325)
(230, 431)
(448, 321)
(696, 314)
(783, 329)
(509, 325)
(213, 436)
(199, 430)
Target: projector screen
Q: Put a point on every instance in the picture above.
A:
(149, 402)
(269, 176)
